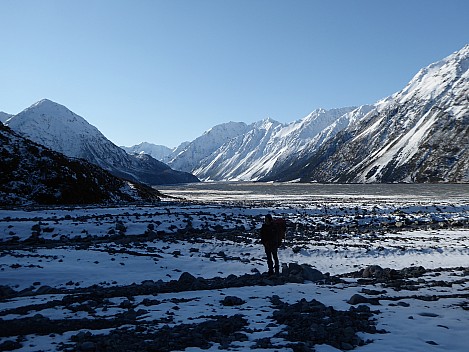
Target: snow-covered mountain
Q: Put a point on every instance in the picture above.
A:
(61, 130)
(191, 156)
(33, 174)
(159, 152)
(419, 134)
(236, 151)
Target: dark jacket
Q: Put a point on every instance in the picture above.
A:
(269, 236)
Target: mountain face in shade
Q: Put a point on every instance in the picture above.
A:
(33, 174)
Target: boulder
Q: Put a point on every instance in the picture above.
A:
(230, 301)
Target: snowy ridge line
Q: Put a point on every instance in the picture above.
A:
(391, 137)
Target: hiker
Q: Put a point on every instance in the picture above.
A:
(270, 240)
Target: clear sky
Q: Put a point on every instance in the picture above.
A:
(165, 71)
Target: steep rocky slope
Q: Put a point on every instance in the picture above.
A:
(33, 174)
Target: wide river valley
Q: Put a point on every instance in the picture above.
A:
(296, 192)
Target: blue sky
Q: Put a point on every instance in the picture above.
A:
(165, 71)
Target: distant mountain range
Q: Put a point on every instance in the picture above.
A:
(419, 134)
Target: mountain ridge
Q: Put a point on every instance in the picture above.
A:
(419, 134)
(56, 127)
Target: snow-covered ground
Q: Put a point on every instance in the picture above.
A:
(49, 255)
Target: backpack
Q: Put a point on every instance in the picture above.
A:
(281, 226)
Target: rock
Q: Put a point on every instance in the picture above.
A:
(187, 278)
(372, 271)
(255, 271)
(427, 314)
(200, 284)
(6, 291)
(126, 304)
(44, 290)
(359, 299)
(230, 301)
(294, 269)
(311, 274)
(346, 346)
(413, 271)
(148, 283)
(373, 292)
(87, 346)
(276, 301)
(10, 345)
(430, 342)
(263, 343)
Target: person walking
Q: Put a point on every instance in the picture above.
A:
(270, 240)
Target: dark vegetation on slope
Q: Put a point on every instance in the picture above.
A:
(33, 174)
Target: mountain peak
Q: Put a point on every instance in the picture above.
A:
(55, 126)
(266, 123)
(47, 106)
(45, 101)
(436, 79)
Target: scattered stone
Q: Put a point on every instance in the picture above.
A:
(87, 346)
(230, 301)
(263, 343)
(217, 329)
(427, 314)
(359, 299)
(372, 271)
(432, 343)
(10, 345)
(373, 292)
(187, 279)
(315, 323)
(126, 304)
(6, 291)
(44, 290)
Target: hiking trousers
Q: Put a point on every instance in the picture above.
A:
(272, 257)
